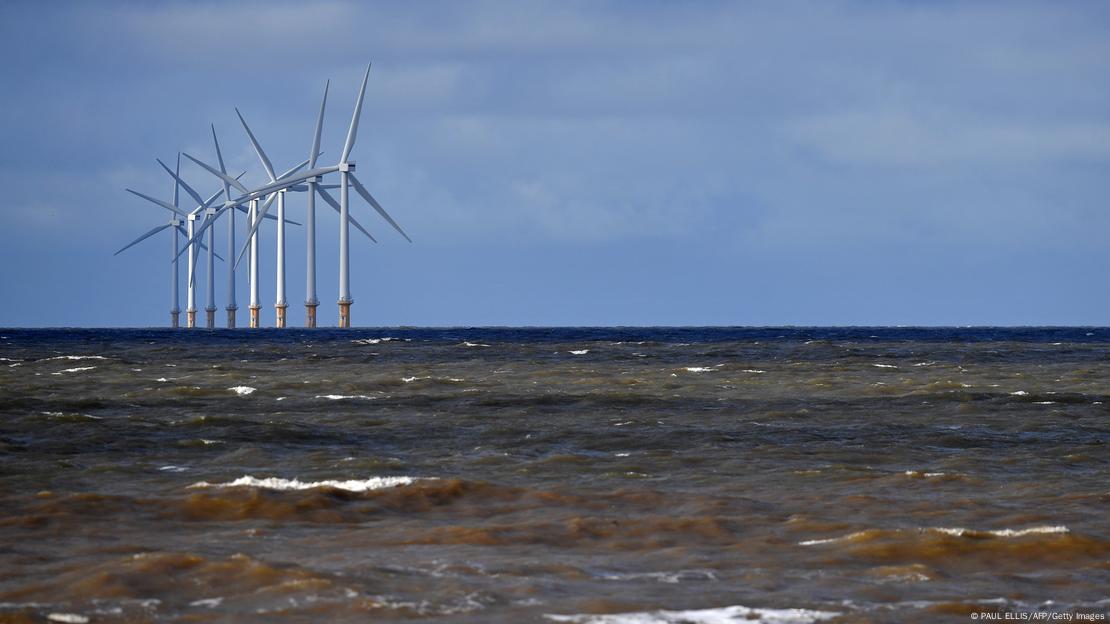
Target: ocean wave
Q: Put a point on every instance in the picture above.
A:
(720, 615)
(277, 483)
(74, 357)
(580, 352)
(242, 390)
(343, 397)
(871, 534)
(74, 370)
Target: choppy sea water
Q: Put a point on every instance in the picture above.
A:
(600, 475)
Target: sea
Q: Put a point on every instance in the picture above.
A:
(602, 475)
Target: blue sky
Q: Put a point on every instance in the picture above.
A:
(582, 163)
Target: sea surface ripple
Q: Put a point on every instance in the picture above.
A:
(595, 475)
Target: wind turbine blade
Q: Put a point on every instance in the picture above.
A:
(220, 158)
(159, 202)
(188, 189)
(373, 202)
(175, 178)
(185, 233)
(257, 148)
(335, 206)
(319, 128)
(223, 176)
(353, 130)
(254, 226)
(291, 171)
(143, 238)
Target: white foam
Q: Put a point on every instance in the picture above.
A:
(1044, 402)
(700, 369)
(1019, 393)
(242, 390)
(953, 531)
(474, 344)
(412, 379)
(75, 357)
(172, 468)
(884, 366)
(277, 483)
(580, 352)
(724, 615)
(753, 370)
(342, 397)
(68, 618)
(211, 603)
(1038, 530)
(918, 473)
(74, 370)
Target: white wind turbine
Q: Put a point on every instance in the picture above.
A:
(346, 178)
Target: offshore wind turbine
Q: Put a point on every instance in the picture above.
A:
(346, 168)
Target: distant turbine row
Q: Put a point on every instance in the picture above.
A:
(256, 204)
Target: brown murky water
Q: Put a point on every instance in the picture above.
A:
(582, 475)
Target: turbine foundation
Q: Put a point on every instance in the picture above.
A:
(345, 313)
(231, 317)
(310, 314)
(191, 318)
(210, 317)
(280, 314)
(254, 316)
(173, 320)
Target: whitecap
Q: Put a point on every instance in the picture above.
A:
(953, 531)
(242, 390)
(1037, 530)
(412, 379)
(580, 352)
(884, 366)
(755, 371)
(700, 369)
(74, 370)
(474, 344)
(703, 616)
(172, 468)
(277, 483)
(211, 603)
(68, 618)
(341, 397)
(75, 357)
(1019, 393)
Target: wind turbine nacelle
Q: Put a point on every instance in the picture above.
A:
(313, 180)
(209, 212)
(346, 167)
(228, 205)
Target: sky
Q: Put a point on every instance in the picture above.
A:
(841, 162)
